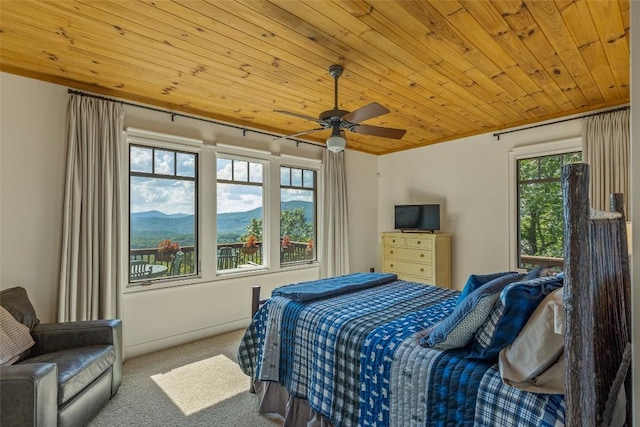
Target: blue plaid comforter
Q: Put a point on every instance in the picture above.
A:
(356, 358)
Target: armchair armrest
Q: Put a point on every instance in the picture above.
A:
(29, 394)
(50, 337)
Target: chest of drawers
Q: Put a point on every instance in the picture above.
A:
(418, 257)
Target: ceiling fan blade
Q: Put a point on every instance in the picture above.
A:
(378, 131)
(299, 133)
(300, 116)
(365, 113)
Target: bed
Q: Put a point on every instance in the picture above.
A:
(370, 350)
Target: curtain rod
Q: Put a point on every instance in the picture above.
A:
(188, 116)
(497, 134)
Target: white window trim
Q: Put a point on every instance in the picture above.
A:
(255, 156)
(302, 162)
(309, 164)
(155, 137)
(241, 152)
(133, 136)
(207, 178)
(271, 207)
(524, 152)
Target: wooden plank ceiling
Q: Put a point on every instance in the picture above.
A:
(445, 69)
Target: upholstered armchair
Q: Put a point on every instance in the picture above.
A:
(66, 374)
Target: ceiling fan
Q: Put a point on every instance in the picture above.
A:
(337, 119)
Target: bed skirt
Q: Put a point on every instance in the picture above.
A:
(295, 411)
(274, 399)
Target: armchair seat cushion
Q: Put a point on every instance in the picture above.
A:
(78, 367)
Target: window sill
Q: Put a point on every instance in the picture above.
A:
(162, 284)
(227, 275)
(259, 271)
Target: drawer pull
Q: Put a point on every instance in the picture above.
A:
(419, 241)
(391, 265)
(391, 252)
(422, 270)
(393, 241)
(421, 255)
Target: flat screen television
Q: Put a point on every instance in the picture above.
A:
(417, 217)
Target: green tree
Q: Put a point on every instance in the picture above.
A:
(293, 224)
(540, 198)
(254, 228)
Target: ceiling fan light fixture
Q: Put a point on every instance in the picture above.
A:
(336, 143)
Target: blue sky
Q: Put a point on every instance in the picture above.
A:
(164, 195)
(175, 196)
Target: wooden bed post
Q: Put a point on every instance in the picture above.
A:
(255, 305)
(255, 299)
(616, 204)
(580, 397)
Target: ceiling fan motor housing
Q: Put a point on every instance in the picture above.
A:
(331, 114)
(335, 71)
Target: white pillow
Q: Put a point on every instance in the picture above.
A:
(535, 361)
(14, 336)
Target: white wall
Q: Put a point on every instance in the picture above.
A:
(362, 190)
(33, 156)
(469, 178)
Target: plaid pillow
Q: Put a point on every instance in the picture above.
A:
(15, 338)
(458, 328)
(516, 304)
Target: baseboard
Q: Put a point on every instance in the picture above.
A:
(161, 344)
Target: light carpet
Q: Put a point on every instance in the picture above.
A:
(197, 384)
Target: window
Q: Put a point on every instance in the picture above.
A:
(297, 215)
(201, 213)
(540, 210)
(240, 214)
(163, 207)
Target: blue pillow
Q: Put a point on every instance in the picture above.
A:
(476, 280)
(516, 304)
(457, 329)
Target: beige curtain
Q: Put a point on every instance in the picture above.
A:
(335, 229)
(606, 147)
(90, 281)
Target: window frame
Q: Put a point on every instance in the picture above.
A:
(526, 152)
(309, 164)
(266, 165)
(160, 141)
(207, 203)
(314, 189)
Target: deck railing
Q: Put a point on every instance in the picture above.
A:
(230, 256)
(150, 255)
(531, 261)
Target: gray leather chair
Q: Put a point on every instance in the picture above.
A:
(73, 369)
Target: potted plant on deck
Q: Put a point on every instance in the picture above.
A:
(250, 246)
(286, 244)
(309, 248)
(166, 250)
